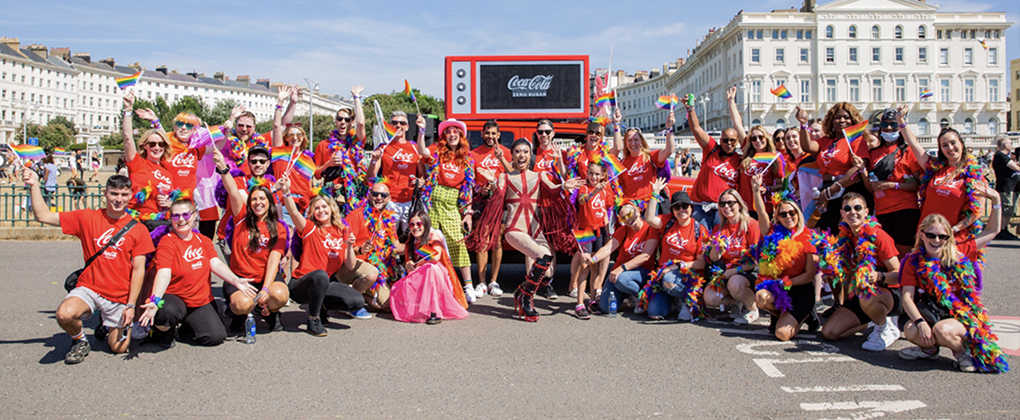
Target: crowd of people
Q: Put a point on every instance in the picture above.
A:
(888, 228)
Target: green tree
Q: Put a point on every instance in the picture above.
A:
(220, 112)
(400, 101)
(55, 135)
(65, 122)
(264, 127)
(192, 104)
(112, 141)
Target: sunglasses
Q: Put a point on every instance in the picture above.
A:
(182, 124)
(152, 144)
(727, 203)
(180, 216)
(345, 119)
(396, 122)
(753, 138)
(785, 214)
(379, 194)
(729, 141)
(933, 236)
(416, 224)
(682, 206)
(258, 161)
(855, 207)
(594, 132)
(889, 125)
(543, 131)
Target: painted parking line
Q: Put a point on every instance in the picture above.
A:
(851, 388)
(872, 409)
(1007, 328)
(769, 365)
(759, 332)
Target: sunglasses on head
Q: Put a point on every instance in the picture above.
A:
(540, 131)
(152, 144)
(934, 236)
(855, 207)
(727, 203)
(182, 124)
(344, 119)
(180, 216)
(785, 214)
(395, 122)
(258, 161)
(379, 194)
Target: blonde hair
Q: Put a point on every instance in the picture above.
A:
(749, 150)
(742, 211)
(947, 255)
(334, 216)
(644, 143)
(168, 151)
(292, 132)
(796, 208)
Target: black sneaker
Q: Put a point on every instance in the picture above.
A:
(168, 338)
(79, 349)
(101, 333)
(237, 324)
(828, 312)
(315, 327)
(549, 292)
(273, 321)
(324, 316)
(433, 319)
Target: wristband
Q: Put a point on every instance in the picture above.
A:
(127, 113)
(356, 97)
(156, 124)
(279, 107)
(919, 321)
(130, 305)
(624, 266)
(897, 185)
(805, 127)
(156, 300)
(996, 206)
(222, 171)
(594, 259)
(903, 125)
(265, 289)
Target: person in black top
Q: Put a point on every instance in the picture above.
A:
(1007, 176)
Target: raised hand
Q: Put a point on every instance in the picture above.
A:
(658, 185)
(356, 90)
(282, 93)
(236, 112)
(129, 100)
(731, 93)
(218, 159)
(30, 177)
(147, 114)
(617, 116)
(420, 122)
(802, 116)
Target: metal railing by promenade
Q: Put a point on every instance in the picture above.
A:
(15, 202)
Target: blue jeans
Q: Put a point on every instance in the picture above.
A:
(708, 219)
(627, 283)
(660, 305)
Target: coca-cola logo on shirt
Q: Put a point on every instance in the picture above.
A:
(676, 242)
(636, 247)
(543, 164)
(450, 170)
(534, 87)
(329, 242)
(946, 186)
(183, 160)
(263, 241)
(490, 162)
(104, 239)
(193, 254)
(827, 156)
(726, 172)
(597, 203)
(403, 157)
(165, 183)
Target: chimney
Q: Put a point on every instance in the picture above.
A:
(63, 53)
(263, 82)
(109, 61)
(40, 50)
(86, 57)
(218, 76)
(809, 6)
(137, 66)
(194, 73)
(243, 78)
(162, 69)
(10, 42)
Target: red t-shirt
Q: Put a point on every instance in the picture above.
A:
(252, 265)
(399, 165)
(190, 267)
(801, 261)
(632, 244)
(450, 173)
(323, 153)
(109, 275)
(592, 213)
(183, 168)
(908, 276)
(834, 155)
(300, 187)
(582, 160)
(945, 196)
(485, 157)
(737, 241)
(885, 248)
(890, 200)
(545, 160)
(680, 242)
(718, 173)
(744, 181)
(639, 174)
(322, 249)
(145, 173)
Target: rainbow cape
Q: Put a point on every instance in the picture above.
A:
(782, 92)
(607, 99)
(126, 82)
(667, 101)
(584, 236)
(28, 151)
(427, 252)
(408, 91)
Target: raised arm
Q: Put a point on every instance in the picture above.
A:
(39, 208)
(295, 96)
(281, 97)
(759, 205)
(617, 133)
(806, 143)
(130, 149)
(908, 136)
(359, 113)
(651, 213)
(735, 117)
(983, 238)
(423, 151)
(699, 134)
(233, 194)
(670, 144)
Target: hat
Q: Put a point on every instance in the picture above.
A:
(453, 122)
(889, 114)
(259, 149)
(680, 197)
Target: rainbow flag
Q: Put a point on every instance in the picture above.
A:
(854, 132)
(280, 154)
(982, 41)
(408, 91)
(427, 252)
(59, 151)
(614, 165)
(216, 134)
(601, 120)
(584, 236)
(607, 99)
(305, 165)
(768, 158)
(390, 130)
(926, 93)
(125, 82)
(28, 151)
(667, 101)
(782, 92)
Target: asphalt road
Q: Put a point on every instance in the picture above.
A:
(486, 366)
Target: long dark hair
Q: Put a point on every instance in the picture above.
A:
(426, 228)
(252, 221)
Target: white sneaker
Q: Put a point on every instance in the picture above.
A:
(747, 317)
(685, 313)
(964, 362)
(914, 353)
(495, 290)
(573, 293)
(875, 342)
(481, 290)
(139, 332)
(469, 293)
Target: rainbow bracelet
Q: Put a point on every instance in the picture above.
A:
(156, 300)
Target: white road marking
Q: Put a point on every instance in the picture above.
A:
(759, 332)
(825, 347)
(768, 365)
(851, 388)
(873, 408)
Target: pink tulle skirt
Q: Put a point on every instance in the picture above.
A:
(424, 291)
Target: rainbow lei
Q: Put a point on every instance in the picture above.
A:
(825, 245)
(654, 286)
(776, 253)
(254, 183)
(857, 257)
(381, 244)
(350, 183)
(972, 175)
(466, 187)
(239, 148)
(143, 217)
(147, 192)
(965, 306)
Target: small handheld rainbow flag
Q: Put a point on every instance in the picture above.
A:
(667, 101)
(390, 130)
(584, 236)
(305, 165)
(279, 154)
(614, 165)
(768, 158)
(926, 93)
(408, 91)
(601, 120)
(126, 82)
(607, 99)
(28, 151)
(59, 151)
(854, 132)
(782, 92)
(427, 252)
(216, 134)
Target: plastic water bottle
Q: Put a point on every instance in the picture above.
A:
(612, 304)
(249, 328)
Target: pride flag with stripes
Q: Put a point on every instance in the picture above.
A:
(584, 236)
(408, 91)
(59, 151)
(427, 252)
(390, 130)
(305, 165)
(854, 132)
(28, 151)
(279, 154)
(926, 93)
(607, 99)
(126, 82)
(782, 92)
(667, 101)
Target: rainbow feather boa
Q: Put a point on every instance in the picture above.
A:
(239, 148)
(776, 253)
(972, 176)
(351, 182)
(654, 286)
(381, 244)
(857, 257)
(964, 304)
(466, 187)
(147, 192)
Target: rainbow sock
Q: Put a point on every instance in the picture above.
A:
(80, 336)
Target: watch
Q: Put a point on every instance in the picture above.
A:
(222, 171)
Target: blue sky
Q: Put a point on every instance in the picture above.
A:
(379, 44)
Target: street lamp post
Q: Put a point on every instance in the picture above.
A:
(24, 121)
(312, 86)
(704, 103)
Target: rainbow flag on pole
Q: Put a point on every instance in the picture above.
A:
(126, 82)
(279, 154)
(305, 165)
(59, 151)
(854, 132)
(584, 236)
(607, 99)
(427, 252)
(768, 158)
(28, 151)
(982, 41)
(926, 93)
(390, 130)
(408, 91)
(667, 101)
(782, 92)
(614, 165)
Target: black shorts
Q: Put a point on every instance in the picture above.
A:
(600, 241)
(901, 225)
(854, 305)
(803, 298)
(229, 289)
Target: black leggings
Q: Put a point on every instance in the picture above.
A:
(203, 320)
(318, 290)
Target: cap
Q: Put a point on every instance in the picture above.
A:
(680, 197)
